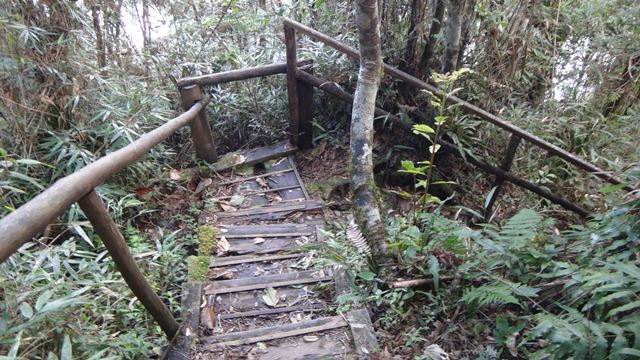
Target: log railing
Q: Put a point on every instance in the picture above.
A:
(517, 134)
(30, 219)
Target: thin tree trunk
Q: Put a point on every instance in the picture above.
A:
(415, 33)
(429, 49)
(452, 38)
(469, 13)
(100, 51)
(364, 189)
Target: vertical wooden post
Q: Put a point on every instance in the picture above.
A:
(507, 161)
(305, 102)
(200, 130)
(292, 85)
(108, 231)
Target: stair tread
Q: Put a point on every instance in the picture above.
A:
(262, 282)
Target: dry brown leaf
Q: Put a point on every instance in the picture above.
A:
(174, 174)
(203, 185)
(258, 240)
(225, 206)
(262, 182)
(221, 274)
(208, 317)
(223, 246)
(311, 338)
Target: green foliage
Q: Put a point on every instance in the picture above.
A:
(489, 294)
(198, 268)
(207, 239)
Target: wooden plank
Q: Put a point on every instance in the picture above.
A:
(270, 245)
(200, 130)
(258, 192)
(245, 259)
(271, 311)
(252, 300)
(261, 282)
(276, 332)
(364, 338)
(264, 280)
(264, 235)
(265, 229)
(507, 161)
(288, 179)
(305, 113)
(243, 179)
(295, 171)
(333, 344)
(254, 156)
(275, 210)
(190, 312)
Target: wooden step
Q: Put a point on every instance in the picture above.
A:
(276, 332)
(263, 282)
(247, 259)
(254, 156)
(266, 230)
(272, 311)
(266, 212)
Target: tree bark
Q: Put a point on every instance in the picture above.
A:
(469, 13)
(429, 48)
(452, 37)
(367, 211)
(414, 33)
(100, 50)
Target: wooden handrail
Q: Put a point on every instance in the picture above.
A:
(28, 220)
(482, 114)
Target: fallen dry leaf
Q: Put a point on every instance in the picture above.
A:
(225, 206)
(258, 240)
(262, 182)
(208, 318)
(311, 338)
(203, 185)
(221, 274)
(223, 246)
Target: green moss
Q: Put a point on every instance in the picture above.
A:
(207, 239)
(198, 268)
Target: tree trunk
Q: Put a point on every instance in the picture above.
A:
(364, 189)
(452, 37)
(415, 33)
(100, 50)
(429, 48)
(469, 13)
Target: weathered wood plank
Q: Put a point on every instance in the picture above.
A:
(295, 171)
(271, 245)
(264, 280)
(258, 192)
(276, 332)
(364, 338)
(243, 179)
(245, 259)
(272, 311)
(265, 235)
(190, 312)
(254, 156)
(265, 229)
(275, 211)
(288, 179)
(230, 303)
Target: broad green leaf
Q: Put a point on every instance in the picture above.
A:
(611, 188)
(623, 308)
(26, 310)
(366, 275)
(434, 269)
(13, 353)
(66, 353)
(419, 129)
(43, 299)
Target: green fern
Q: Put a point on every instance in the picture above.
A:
(489, 294)
(520, 229)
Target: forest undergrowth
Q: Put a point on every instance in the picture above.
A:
(82, 79)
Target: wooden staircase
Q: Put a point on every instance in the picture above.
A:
(267, 298)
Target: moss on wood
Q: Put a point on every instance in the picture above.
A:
(198, 268)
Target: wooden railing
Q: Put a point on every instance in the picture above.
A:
(295, 75)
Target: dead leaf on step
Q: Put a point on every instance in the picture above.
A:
(208, 318)
(223, 246)
(203, 185)
(259, 271)
(258, 240)
(311, 338)
(225, 206)
(270, 297)
(262, 182)
(221, 274)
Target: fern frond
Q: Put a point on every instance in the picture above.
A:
(490, 294)
(521, 228)
(357, 239)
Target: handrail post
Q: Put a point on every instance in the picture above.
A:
(292, 85)
(113, 240)
(200, 129)
(305, 101)
(507, 161)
